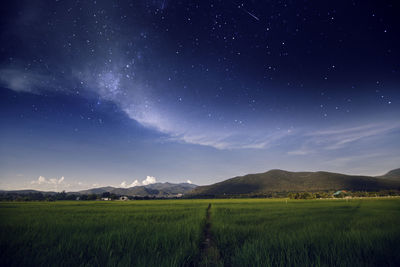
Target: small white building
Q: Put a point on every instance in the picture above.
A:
(106, 198)
(124, 198)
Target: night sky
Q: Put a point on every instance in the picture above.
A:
(96, 93)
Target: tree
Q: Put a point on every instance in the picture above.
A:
(92, 197)
(106, 194)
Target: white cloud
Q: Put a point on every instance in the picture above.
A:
(149, 180)
(189, 182)
(332, 139)
(300, 152)
(231, 140)
(54, 184)
(58, 184)
(134, 183)
(53, 181)
(340, 137)
(124, 184)
(41, 180)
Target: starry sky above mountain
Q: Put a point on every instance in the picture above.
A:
(109, 92)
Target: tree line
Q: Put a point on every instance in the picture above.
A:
(39, 196)
(342, 194)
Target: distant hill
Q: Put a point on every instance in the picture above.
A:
(96, 191)
(26, 192)
(157, 189)
(392, 175)
(285, 181)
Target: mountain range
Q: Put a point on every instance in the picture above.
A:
(275, 181)
(392, 175)
(157, 189)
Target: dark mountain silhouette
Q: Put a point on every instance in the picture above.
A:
(27, 191)
(392, 175)
(157, 189)
(285, 181)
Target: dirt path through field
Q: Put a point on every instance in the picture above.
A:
(209, 254)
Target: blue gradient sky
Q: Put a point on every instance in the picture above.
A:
(104, 92)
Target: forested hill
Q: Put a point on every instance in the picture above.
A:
(285, 181)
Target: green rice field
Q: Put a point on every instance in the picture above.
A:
(244, 232)
(136, 233)
(308, 233)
